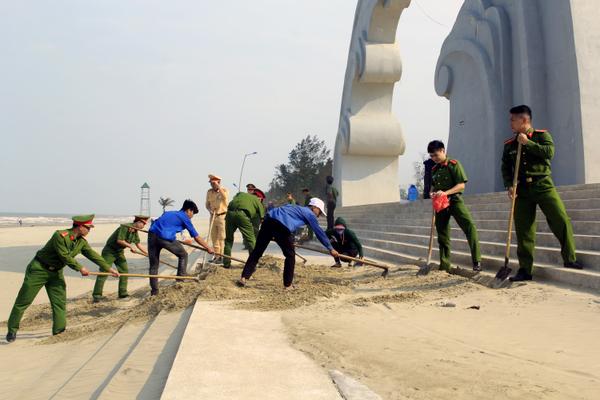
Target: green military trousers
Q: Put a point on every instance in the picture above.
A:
(37, 276)
(235, 220)
(463, 218)
(544, 194)
(118, 258)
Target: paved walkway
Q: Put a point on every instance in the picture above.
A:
(235, 354)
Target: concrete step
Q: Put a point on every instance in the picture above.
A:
(139, 378)
(81, 374)
(575, 215)
(587, 280)
(579, 227)
(545, 239)
(403, 243)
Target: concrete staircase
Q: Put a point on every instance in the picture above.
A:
(399, 233)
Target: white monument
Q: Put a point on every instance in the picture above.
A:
(369, 138)
(502, 53)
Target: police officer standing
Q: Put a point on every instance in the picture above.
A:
(535, 187)
(217, 198)
(124, 237)
(46, 270)
(449, 178)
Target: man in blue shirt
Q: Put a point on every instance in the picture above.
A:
(162, 235)
(279, 225)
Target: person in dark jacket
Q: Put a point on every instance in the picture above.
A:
(429, 163)
(345, 241)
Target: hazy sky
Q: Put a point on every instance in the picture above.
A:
(99, 97)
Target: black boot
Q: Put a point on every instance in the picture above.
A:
(11, 337)
(521, 275)
(573, 265)
(477, 267)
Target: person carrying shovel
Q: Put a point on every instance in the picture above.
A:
(217, 198)
(162, 235)
(114, 253)
(46, 270)
(345, 241)
(279, 225)
(241, 211)
(449, 179)
(534, 187)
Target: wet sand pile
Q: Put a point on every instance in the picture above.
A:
(264, 292)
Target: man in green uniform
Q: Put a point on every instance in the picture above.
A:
(240, 212)
(535, 187)
(449, 178)
(114, 253)
(46, 270)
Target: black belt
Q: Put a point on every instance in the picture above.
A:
(46, 266)
(527, 180)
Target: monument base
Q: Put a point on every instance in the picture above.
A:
(367, 180)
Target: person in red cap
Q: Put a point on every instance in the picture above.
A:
(256, 220)
(217, 198)
(46, 270)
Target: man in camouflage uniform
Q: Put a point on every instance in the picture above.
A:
(449, 178)
(535, 187)
(46, 269)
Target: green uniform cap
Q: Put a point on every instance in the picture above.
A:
(83, 219)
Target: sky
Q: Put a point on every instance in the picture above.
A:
(99, 97)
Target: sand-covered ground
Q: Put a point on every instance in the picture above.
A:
(435, 337)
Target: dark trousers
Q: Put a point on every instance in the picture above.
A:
(330, 211)
(345, 250)
(155, 245)
(271, 229)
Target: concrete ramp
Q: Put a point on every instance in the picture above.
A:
(233, 354)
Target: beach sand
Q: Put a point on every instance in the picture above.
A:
(435, 337)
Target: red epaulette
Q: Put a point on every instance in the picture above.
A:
(64, 234)
(510, 140)
(453, 162)
(434, 167)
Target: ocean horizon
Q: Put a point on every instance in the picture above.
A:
(11, 219)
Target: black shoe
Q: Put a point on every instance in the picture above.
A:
(59, 332)
(477, 267)
(226, 266)
(521, 275)
(154, 292)
(573, 265)
(11, 337)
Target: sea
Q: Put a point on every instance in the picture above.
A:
(33, 219)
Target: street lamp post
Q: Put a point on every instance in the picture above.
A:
(242, 169)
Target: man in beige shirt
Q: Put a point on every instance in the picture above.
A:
(217, 199)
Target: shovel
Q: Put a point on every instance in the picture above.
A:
(196, 247)
(212, 219)
(189, 278)
(426, 269)
(348, 258)
(504, 272)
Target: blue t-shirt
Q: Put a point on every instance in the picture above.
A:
(294, 217)
(168, 225)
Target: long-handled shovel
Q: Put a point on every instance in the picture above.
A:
(160, 261)
(348, 258)
(210, 226)
(304, 260)
(197, 247)
(189, 278)
(505, 271)
(425, 269)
